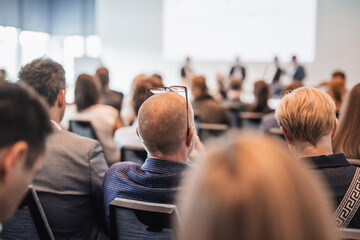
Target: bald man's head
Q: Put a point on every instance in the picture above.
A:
(163, 122)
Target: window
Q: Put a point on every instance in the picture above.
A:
(9, 51)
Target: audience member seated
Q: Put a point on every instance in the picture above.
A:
(127, 135)
(24, 125)
(108, 96)
(104, 119)
(163, 121)
(248, 186)
(158, 77)
(220, 94)
(233, 95)
(262, 95)
(2, 76)
(347, 138)
(70, 184)
(209, 110)
(308, 122)
(337, 89)
(269, 121)
(127, 112)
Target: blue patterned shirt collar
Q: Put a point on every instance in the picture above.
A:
(163, 166)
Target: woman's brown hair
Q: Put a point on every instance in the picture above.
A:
(347, 138)
(87, 92)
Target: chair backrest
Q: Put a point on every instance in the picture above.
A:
(348, 233)
(354, 161)
(131, 219)
(250, 120)
(133, 154)
(276, 132)
(29, 221)
(82, 128)
(209, 130)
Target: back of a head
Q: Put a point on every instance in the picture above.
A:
(340, 74)
(163, 122)
(46, 76)
(103, 75)
(24, 117)
(86, 92)
(139, 93)
(261, 92)
(238, 192)
(291, 87)
(2, 75)
(158, 76)
(235, 84)
(307, 114)
(337, 90)
(347, 137)
(198, 86)
(156, 82)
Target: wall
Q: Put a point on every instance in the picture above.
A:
(131, 43)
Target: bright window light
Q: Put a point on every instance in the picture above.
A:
(33, 45)
(93, 46)
(256, 30)
(74, 46)
(8, 51)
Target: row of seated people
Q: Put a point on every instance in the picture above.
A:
(75, 185)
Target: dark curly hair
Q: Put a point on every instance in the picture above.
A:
(46, 76)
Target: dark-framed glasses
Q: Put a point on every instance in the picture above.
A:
(182, 90)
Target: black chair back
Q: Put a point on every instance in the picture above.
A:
(131, 219)
(249, 120)
(29, 221)
(82, 128)
(133, 154)
(211, 130)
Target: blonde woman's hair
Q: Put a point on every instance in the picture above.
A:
(307, 114)
(347, 138)
(249, 187)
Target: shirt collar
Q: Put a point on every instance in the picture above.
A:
(334, 160)
(163, 166)
(56, 125)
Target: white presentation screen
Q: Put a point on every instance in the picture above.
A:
(254, 30)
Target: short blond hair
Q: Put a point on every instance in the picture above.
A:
(236, 191)
(307, 114)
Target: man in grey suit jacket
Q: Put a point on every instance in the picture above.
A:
(70, 184)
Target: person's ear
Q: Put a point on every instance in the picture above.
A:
(137, 132)
(287, 136)
(189, 137)
(334, 130)
(13, 156)
(61, 98)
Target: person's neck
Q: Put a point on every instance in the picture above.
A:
(55, 115)
(180, 156)
(306, 149)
